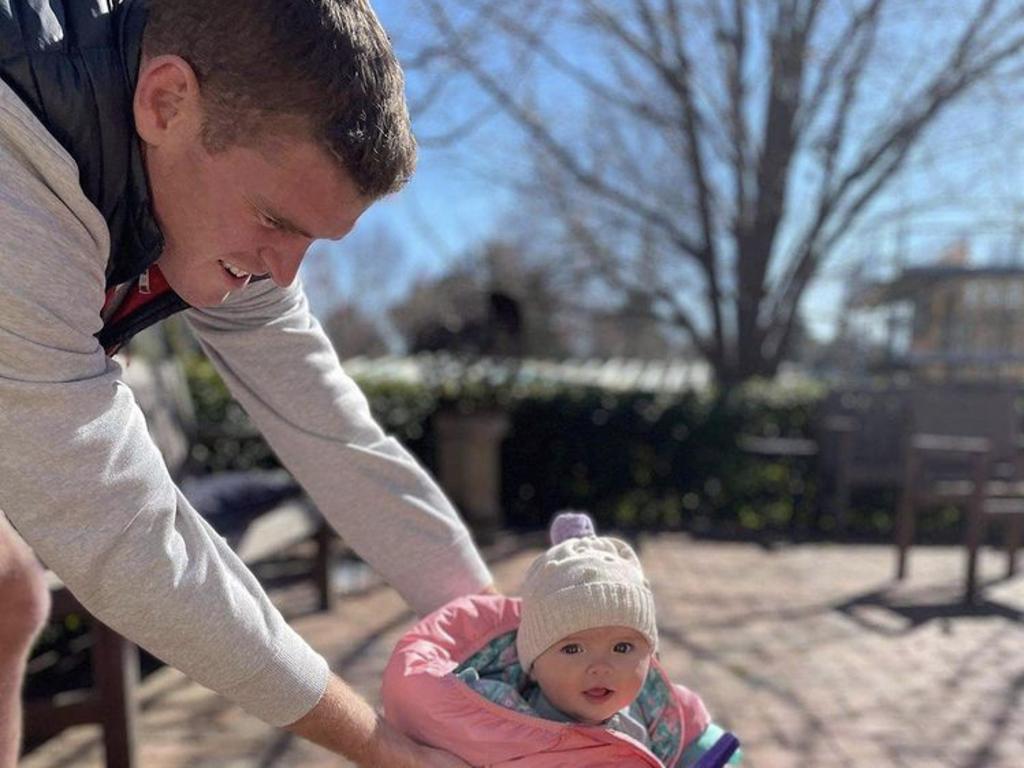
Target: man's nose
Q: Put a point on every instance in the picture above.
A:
(283, 265)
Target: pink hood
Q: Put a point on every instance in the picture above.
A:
(423, 698)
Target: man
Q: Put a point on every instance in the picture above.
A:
(184, 154)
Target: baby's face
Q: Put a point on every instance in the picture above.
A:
(591, 675)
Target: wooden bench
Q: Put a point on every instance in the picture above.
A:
(862, 435)
(111, 703)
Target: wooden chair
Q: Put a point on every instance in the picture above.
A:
(963, 448)
(272, 523)
(110, 703)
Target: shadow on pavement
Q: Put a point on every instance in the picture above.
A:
(898, 610)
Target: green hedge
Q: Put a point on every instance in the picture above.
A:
(637, 460)
(634, 460)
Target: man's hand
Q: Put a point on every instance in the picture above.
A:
(398, 751)
(344, 723)
(435, 758)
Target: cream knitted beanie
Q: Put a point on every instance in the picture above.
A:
(583, 582)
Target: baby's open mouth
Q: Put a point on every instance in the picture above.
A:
(597, 695)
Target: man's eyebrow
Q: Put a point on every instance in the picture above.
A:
(280, 218)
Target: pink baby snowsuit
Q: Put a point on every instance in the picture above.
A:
(481, 721)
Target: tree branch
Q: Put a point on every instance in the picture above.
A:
(678, 76)
(537, 131)
(840, 206)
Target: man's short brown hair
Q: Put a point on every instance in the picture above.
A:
(324, 67)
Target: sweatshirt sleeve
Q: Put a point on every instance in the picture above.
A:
(80, 478)
(280, 366)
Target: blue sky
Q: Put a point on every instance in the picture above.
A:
(971, 172)
(443, 211)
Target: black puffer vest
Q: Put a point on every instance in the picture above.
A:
(74, 63)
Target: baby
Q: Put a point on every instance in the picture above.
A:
(587, 635)
(564, 676)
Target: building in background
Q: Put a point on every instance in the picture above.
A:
(949, 320)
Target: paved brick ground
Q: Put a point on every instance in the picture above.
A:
(809, 653)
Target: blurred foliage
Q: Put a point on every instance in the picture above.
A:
(640, 460)
(226, 439)
(632, 459)
(60, 658)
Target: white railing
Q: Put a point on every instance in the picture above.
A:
(619, 374)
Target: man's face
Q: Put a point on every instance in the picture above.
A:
(591, 675)
(245, 212)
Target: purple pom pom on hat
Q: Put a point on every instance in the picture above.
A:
(571, 525)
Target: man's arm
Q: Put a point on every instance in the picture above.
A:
(280, 366)
(80, 478)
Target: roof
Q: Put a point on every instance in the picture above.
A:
(912, 281)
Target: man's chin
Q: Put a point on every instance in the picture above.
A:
(200, 299)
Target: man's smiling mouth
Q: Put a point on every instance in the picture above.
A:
(240, 273)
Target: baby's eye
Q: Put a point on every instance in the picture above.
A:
(623, 647)
(571, 649)
(268, 221)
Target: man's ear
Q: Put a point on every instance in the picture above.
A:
(167, 104)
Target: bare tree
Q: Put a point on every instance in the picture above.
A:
(494, 301)
(724, 148)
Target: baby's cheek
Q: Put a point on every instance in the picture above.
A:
(636, 685)
(640, 673)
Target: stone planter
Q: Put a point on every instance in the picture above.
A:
(469, 467)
